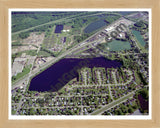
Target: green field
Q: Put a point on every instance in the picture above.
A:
(25, 71)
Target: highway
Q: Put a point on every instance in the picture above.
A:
(66, 19)
(69, 51)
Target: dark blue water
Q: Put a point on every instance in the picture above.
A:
(84, 21)
(94, 26)
(60, 73)
(64, 40)
(59, 28)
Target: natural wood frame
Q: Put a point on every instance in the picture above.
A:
(4, 8)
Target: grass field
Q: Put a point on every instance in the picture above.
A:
(25, 71)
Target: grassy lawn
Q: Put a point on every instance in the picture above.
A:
(137, 77)
(43, 54)
(25, 71)
(31, 52)
(28, 52)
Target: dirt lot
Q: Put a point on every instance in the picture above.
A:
(34, 39)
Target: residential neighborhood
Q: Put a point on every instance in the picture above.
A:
(80, 63)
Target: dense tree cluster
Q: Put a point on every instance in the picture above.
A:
(112, 18)
(142, 97)
(81, 38)
(141, 24)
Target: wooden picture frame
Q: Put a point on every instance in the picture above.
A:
(4, 64)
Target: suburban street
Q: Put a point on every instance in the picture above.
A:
(69, 51)
(112, 104)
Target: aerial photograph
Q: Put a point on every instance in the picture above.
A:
(82, 63)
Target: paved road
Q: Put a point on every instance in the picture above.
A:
(26, 83)
(56, 21)
(99, 77)
(69, 51)
(110, 105)
(78, 46)
(114, 103)
(63, 55)
(110, 92)
(114, 76)
(128, 81)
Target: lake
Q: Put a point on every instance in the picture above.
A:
(60, 73)
(94, 26)
(139, 37)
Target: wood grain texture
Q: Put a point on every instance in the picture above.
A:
(6, 4)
